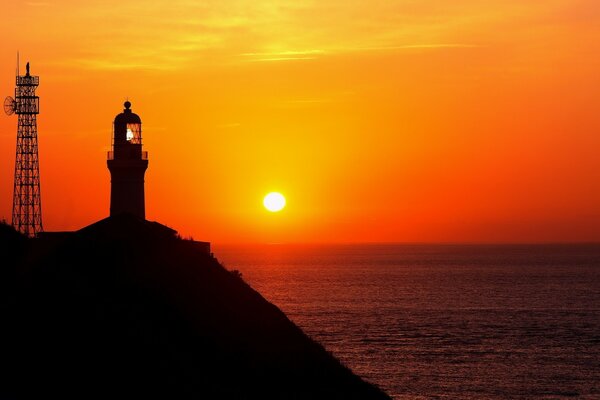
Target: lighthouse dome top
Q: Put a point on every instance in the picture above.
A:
(127, 117)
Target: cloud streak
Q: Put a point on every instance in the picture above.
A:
(164, 36)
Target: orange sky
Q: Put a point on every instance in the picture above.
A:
(429, 120)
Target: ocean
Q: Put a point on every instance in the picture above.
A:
(443, 321)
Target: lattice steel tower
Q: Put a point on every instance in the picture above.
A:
(27, 203)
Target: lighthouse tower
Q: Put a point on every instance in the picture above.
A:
(127, 164)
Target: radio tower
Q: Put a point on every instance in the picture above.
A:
(27, 204)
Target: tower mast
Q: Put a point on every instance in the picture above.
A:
(27, 203)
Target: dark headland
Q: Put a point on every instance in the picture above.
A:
(126, 308)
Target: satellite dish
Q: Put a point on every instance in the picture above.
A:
(10, 105)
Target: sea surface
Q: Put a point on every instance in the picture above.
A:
(443, 321)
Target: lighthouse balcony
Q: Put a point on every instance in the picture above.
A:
(134, 155)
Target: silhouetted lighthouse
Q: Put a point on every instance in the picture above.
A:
(127, 164)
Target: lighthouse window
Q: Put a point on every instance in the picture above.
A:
(133, 133)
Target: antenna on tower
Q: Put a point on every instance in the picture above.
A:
(18, 69)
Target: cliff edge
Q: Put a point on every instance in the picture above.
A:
(125, 308)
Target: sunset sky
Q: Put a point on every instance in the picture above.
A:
(395, 121)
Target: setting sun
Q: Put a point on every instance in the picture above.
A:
(274, 201)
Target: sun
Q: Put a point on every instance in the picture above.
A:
(274, 201)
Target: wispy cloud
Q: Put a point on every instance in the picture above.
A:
(281, 59)
(179, 34)
(431, 46)
(290, 55)
(110, 65)
(405, 47)
(284, 53)
(293, 55)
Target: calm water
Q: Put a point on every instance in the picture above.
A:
(443, 321)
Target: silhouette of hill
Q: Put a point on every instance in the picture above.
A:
(12, 250)
(125, 308)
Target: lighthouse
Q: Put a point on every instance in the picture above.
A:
(127, 163)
